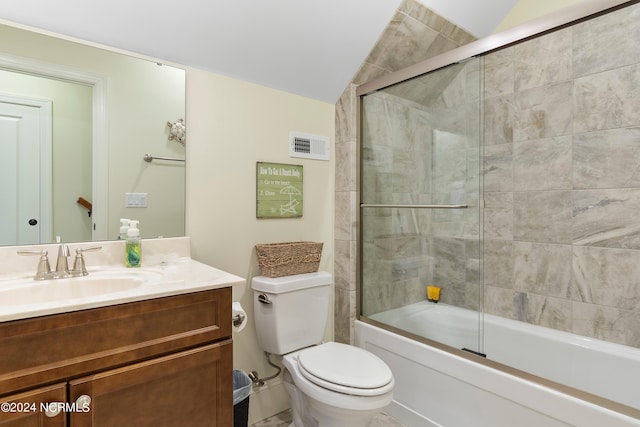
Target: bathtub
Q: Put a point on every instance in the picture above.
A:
(440, 386)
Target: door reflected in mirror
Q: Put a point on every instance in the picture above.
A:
(75, 124)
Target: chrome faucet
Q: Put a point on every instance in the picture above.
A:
(62, 265)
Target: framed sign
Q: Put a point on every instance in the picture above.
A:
(278, 190)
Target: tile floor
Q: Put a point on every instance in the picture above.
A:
(283, 419)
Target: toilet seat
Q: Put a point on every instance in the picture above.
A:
(345, 369)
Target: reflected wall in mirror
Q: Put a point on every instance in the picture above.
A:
(96, 113)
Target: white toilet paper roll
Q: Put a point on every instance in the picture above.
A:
(239, 317)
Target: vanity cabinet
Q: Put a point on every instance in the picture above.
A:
(23, 409)
(160, 362)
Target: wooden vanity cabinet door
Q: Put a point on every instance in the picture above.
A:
(50, 349)
(24, 409)
(192, 388)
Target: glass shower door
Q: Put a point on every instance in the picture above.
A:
(420, 205)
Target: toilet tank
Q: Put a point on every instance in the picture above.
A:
(291, 312)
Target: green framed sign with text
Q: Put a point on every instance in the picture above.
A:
(278, 190)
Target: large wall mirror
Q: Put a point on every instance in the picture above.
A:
(75, 124)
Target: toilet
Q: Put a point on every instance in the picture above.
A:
(329, 384)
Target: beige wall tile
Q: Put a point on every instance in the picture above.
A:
(607, 159)
(608, 42)
(542, 164)
(543, 61)
(607, 100)
(542, 216)
(543, 112)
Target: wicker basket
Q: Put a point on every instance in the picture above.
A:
(288, 258)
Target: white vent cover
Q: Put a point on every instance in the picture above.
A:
(308, 146)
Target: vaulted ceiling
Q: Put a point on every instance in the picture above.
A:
(308, 47)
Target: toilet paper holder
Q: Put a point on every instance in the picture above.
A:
(238, 319)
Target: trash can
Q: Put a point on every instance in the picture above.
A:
(241, 390)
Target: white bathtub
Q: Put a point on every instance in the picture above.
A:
(437, 388)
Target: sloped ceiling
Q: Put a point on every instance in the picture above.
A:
(308, 47)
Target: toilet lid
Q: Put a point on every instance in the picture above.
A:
(346, 369)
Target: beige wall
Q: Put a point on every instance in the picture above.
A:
(231, 125)
(526, 10)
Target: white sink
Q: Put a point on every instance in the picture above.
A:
(21, 297)
(29, 291)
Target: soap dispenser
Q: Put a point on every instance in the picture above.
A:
(133, 247)
(124, 227)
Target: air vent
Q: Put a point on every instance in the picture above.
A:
(308, 146)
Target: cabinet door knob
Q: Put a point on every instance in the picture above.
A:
(53, 408)
(83, 402)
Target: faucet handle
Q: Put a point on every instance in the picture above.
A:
(44, 269)
(78, 263)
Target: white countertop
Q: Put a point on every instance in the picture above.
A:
(172, 275)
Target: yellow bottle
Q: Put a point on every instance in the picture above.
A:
(433, 293)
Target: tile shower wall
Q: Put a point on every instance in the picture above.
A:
(562, 179)
(414, 34)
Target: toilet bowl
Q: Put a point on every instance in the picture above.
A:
(336, 384)
(329, 384)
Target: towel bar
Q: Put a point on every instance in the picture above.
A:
(149, 158)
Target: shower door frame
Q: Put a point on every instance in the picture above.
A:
(546, 24)
(537, 27)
